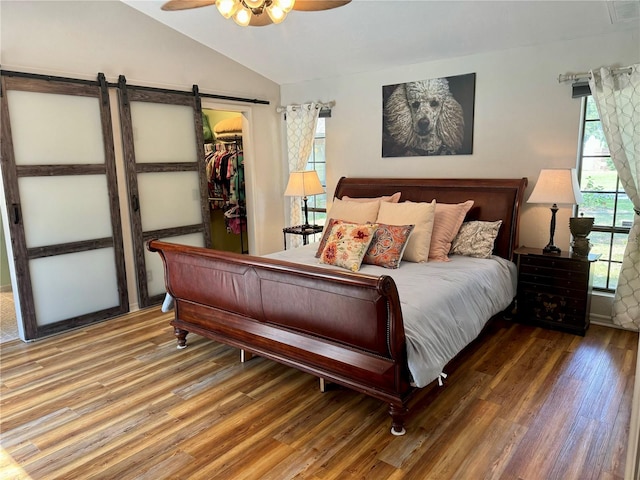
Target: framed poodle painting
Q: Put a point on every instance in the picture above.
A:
(429, 117)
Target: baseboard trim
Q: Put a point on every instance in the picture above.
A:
(605, 321)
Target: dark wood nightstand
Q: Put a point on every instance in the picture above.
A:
(554, 290)
(304, 230)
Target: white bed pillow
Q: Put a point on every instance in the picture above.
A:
(420, 214)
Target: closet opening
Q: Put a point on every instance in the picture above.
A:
(225, 167)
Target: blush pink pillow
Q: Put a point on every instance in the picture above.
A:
(447, 222)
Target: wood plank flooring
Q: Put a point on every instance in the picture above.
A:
(117, 400)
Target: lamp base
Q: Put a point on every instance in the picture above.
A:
(551, 249)
(306, 213)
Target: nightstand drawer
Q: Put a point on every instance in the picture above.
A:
(579, 275)
(551, 262)
(575, 323)
(553, 309)
(544, 281)
(574, 300)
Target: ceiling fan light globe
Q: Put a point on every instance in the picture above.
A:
(276, 14)
(254, 3)
(285, 5)
(242, 17)
(227, 8)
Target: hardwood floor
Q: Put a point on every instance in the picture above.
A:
(118, 401)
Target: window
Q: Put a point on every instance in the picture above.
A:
(604, 199)
(318, 203)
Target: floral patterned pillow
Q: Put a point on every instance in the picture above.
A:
(326, 234)
(476, 239)
(388, 245)
(347, 244)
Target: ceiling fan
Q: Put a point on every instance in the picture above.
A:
(252, 12)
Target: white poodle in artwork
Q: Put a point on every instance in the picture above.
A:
(423, 118)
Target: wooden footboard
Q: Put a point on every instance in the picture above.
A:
(340, 326)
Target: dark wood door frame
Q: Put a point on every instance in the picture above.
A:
(128, 94)
(12, 172)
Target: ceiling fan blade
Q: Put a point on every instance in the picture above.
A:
(172, 5)
(316, 5)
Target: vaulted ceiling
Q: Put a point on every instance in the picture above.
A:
(368, 35)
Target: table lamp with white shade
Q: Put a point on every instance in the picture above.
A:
(556, 186)
(304, 184)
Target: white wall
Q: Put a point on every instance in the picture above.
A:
(81, 38)
(524, 121)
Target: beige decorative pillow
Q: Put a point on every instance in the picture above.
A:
(420, 214)
(347, 245)
(476, 239)
(395, 198)
(355, 212)
(448, 218)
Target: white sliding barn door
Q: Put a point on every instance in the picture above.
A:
(166, 179)
(62, 207)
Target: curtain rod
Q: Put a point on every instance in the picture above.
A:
(330, 104)
(572, 77)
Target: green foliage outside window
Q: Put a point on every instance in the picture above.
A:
(604, 199)
(317, 161)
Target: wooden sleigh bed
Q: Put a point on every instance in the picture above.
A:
(340, 326)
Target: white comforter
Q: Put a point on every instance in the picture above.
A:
(444, 304)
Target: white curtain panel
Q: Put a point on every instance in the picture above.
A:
(301, 128)
(617, 97)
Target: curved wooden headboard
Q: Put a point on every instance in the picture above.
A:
(494, 199)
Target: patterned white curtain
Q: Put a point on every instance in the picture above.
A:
(301, 128)
(617, 97)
